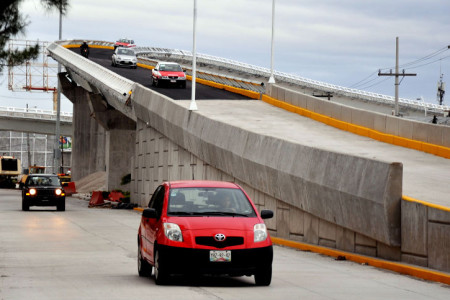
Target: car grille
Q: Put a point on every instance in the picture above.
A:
(45, 192)
(210, 241)
(173, 77)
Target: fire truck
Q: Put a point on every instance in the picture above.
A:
(10, 169)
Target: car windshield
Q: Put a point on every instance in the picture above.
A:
(170, 67)
(126, 52)
(209, 202)
(43, 181)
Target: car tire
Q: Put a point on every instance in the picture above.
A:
(159, 271)
(144, 268)
(263, 276)
(25, 205)
(61, 206)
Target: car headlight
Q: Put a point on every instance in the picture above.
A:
(58, 192)
(134, 59)
(32, 192)
(119, 58)
(260, 232)
(173, 232)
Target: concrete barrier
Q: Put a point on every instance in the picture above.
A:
(433, 134)
(263, 162)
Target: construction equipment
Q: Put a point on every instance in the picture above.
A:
(31, 170)
(9, 171)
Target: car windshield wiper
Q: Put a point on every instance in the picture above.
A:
(182, 213)
(221, 213)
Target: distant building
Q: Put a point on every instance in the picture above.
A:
(41, 149)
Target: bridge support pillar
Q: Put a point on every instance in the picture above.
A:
(88, 144)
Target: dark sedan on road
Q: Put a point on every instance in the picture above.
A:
(43, 190)
(204, 227)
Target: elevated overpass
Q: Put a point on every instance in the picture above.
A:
(327, 186)
(33, 120)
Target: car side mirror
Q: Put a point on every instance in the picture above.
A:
(266, 214)
(150, 213)
(155, 69)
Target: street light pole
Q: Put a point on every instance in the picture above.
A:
(56, 150)
(272, 78)
(193, 105)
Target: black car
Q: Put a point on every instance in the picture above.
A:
(43, 190)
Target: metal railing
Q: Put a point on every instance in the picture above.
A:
(33, 113)
(164, 53)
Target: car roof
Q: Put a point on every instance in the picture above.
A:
(202, 183)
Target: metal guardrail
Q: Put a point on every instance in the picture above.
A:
(33, 113)
(257, 71)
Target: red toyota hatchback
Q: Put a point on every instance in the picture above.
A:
(204, 227)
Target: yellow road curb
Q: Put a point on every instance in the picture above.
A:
(360, 130)
(401, 268)
(436, 206)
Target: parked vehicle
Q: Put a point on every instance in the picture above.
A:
(9, 171)
(204, 227)
(168, 73)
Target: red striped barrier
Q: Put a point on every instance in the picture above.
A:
(115, 196)
(69, 188)
(96, 198)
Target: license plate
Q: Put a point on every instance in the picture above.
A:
(219, 256)
(173, 81)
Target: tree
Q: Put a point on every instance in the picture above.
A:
(12, 23)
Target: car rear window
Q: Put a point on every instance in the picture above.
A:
(209, 202)
(170, 67)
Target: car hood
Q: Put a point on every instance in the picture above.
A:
(123, 56)
(208, 223)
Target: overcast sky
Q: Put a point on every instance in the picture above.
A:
(339, 42)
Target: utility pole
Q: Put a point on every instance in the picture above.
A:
(397, 75)
(57, 153)
(441, 91)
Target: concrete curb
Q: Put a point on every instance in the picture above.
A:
(360, 130)
(401, 268)
(440, 207)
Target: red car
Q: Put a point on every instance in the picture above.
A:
(124, 43)
(204, 227)
(168, 73)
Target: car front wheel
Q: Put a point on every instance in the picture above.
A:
(263, 276)
(61, 206)
(25, 205)
(160, 273)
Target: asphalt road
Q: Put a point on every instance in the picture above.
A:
(87, 253)
(143, 76)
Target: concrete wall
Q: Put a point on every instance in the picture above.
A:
(410, 129)
(365, 200)
(425, 235)
(158, 159)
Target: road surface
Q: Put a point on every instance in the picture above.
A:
(90, 253)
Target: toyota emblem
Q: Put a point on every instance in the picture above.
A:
(220, 237)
